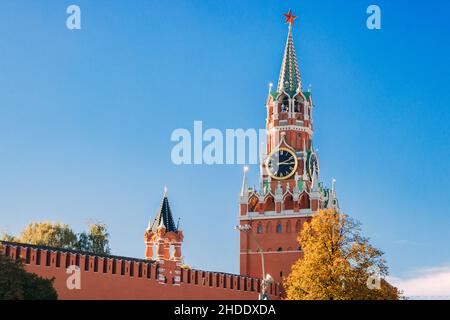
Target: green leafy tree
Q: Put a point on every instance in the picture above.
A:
(17, 284)
(96, 241)
(99, 238)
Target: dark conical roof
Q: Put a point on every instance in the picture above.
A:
(164, 217)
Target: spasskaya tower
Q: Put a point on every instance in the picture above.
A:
(290, 191)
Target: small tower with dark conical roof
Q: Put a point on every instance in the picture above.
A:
(164, 235)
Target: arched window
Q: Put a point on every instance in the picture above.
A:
(300, 248)
(297, 105)
(268, 227)
(288, 203)
(304, 201)
(288, 227)
(298, 226)
(284, 106)
(259, 229)
(270, 204)
(279, 228)
(253, 204)
(280, 249)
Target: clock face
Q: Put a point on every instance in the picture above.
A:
(313, 164)
(281, 164)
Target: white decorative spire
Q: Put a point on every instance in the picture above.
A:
(261, 170)
(315, 180)
(279, 192)
(161, 224)
(305, 155)
(244, 190)
(332, 201)
(296, 193)
(149, 227)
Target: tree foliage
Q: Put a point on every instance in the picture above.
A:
(17, 284)
(59, 235)
(96, 241)
(338, 263)
(9, 238)
(50, 234)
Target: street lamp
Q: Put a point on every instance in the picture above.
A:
(266, 278)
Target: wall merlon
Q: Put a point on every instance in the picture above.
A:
(144, 276)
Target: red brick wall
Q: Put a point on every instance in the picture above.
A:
(133, 282)
(277, 264)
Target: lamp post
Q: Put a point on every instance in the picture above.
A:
(244, 186)
(266, 278)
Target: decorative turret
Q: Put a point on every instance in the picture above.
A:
(163, 234)
(332, 202)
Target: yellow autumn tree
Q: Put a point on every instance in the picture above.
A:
(338, 263)
(51, 234)
(59, 235)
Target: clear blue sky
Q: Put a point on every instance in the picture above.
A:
(86, 116)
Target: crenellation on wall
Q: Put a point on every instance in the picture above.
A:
(139, 279)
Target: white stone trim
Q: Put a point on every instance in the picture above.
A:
(295, 128)
(272, 214)
(270, 252)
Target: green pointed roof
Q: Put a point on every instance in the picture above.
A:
(289, 80)
(164, 216)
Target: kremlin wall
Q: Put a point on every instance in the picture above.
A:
(121, 278)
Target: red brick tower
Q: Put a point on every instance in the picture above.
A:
(164, 235)
(290, 191)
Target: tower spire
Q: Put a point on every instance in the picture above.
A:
(164, 216)
(289, 80)
(244, 191)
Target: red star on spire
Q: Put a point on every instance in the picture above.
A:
(290, 18)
